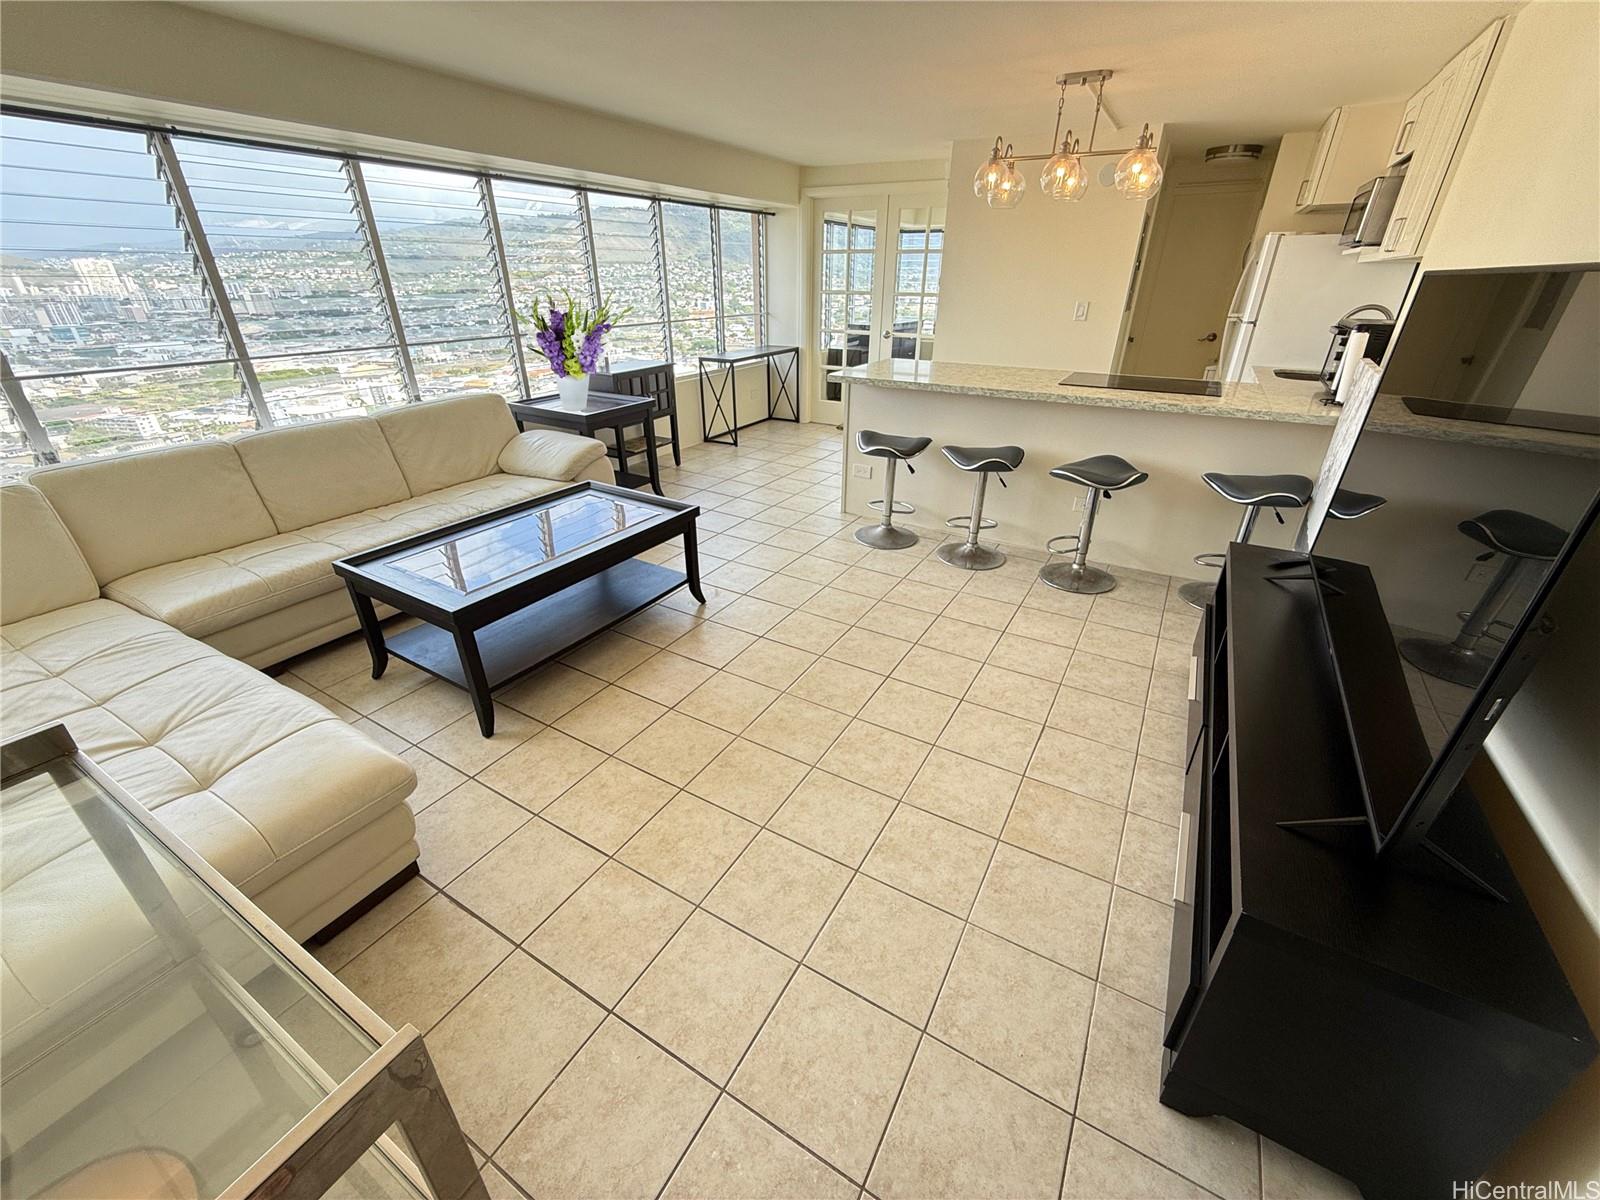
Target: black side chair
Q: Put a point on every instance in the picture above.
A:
(633, 377)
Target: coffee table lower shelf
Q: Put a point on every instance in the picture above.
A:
(546, 629)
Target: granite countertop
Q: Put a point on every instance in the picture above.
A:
(1268, 399)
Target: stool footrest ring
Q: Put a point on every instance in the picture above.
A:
(966, 523)
(1213, 559)
(900, 506)
(1074, 538)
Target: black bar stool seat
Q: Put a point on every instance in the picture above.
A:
(982, 461)
(1102, 474)
(1269, 491)
(894, 448)
(1107, 472)
(1347, 505)
(1506, 531)
(890, 445)
(984, 458)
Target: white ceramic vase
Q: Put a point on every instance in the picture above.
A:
(574, 391)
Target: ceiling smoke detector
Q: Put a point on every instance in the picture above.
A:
(1236, 152)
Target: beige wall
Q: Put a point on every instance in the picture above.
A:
(1278, 213)
(1012, 278)
(161, 61)
(875, 174)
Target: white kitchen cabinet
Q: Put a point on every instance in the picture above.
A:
(1352, 147)
(1425, 141)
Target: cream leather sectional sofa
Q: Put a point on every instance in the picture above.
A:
(138, 594)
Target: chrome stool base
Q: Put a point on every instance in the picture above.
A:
(886, 537)
(1070, 577)
(970, 556)
(1197, 595)
(1446, 660)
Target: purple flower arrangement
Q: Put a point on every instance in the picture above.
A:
(570, 335)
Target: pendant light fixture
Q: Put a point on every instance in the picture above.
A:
(1065, 177)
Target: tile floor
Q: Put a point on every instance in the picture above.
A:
(856, 877)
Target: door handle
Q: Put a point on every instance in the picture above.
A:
(884, 334)
(1210, 337)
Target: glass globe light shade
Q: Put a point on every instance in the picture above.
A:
(1139, 172)
(1008, 191)
(1064, 176)
(989, 174)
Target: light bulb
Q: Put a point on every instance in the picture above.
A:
(989, 174)
(1064, 176)
(1139, 171)
(1008, 190)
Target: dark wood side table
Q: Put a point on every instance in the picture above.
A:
(647, 377)
(603, 410)
(718, 424)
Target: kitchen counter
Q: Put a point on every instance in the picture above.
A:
(1268, 399)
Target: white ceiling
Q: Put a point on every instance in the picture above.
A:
(833, 83)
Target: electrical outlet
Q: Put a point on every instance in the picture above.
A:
(1482, 572)
(861, 470)
(1081, 312)
(1079, 501)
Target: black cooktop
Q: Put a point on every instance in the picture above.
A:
(1143, 383)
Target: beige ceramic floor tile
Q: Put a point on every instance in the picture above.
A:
(895, 620)
(1073, 830)
(607, 932)
(822, 1044)
(961, 1130)
(366, 695)
(934, 859)
(1101, 1168)
(979, 610)
(712, 643)
(1169, 693)
(540, 769)
(1097, 717)
(836, 685)
(748, 779)
(419, 969)
(728, 701)
(423, 712)
(1285, 1175)
(1068, 604)
(1157, 791)
(937, 670)
(1024, 696)
(610, 804)
(1029, 657)
(837, 817)
(1108, 677)
(1051, 909)
(658, 625)
(905, 708)
(1165, 737)
(960, 637)
(462, 744)
(688, 845)
(780, 892)
(864, 582)
(666, 677)
(614, 1124)
(333, 662)
(799, 728)
(735, 577)
(771, 663)
(1106, 641)
(738, 1156)
(1118, 612)
(887, 946)
(707, 993)
(434, 778)
(457, 830)
(1081, 765)
(675, 747)
(807, 631)
(610, 655)
(1016, 1013)
(526, 877)
(923, 597)
(752, 615)
(1120, 1096)
(812, 569)
(550, 692)
(879, 758)
(502, 1045)
(785, 590)
(876, 652)
(609, 718)
(1040, 626)
(1000, 740)
(1138, 942)
(1149, 857)
(838, 605)
(964, 790)
(373, 924)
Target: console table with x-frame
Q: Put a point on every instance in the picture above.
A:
(719, 383)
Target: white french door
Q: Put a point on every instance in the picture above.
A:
(878, 266)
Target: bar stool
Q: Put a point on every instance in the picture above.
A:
(893, 449)
(1255, 492)
(1347, 505)
(983, 461)
(1523, 540)
(1104, 473)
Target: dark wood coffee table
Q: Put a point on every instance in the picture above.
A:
(506, 591)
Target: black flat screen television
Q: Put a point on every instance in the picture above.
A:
(1484, 442)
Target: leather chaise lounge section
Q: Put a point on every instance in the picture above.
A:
(139, 594)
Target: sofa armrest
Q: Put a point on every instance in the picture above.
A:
(549, 454)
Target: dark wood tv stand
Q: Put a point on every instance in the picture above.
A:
(1378, 1017)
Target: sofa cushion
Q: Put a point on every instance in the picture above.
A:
(444, 442)
(311, 473)
(204, 595)
(134, 511)
(44, 569)
(549, 454)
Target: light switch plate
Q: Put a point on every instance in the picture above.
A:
(1081, 312)
(861, 470)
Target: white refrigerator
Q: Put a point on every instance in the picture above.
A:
(1294, 288)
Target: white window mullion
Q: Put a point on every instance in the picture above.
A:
(33, 430)
(491, 218)
(380, 273)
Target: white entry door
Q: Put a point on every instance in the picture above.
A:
(878, 266)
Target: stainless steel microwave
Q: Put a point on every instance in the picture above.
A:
(1370, 210)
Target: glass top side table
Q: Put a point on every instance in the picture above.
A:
(162, 1038)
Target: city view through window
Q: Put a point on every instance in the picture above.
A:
(157, 289)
